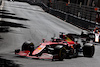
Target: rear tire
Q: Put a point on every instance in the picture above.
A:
(88, 51)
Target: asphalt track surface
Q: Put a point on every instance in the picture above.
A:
(28, 22)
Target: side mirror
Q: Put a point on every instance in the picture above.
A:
(43, 40)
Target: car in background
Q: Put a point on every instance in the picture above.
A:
(92, 35)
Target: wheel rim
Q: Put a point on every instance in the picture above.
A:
(62, 54)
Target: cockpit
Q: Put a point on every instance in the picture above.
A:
(55, 39)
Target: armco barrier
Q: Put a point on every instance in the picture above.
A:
(80, 22)
(77, 21)
(56, 13)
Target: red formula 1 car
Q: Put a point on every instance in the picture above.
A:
(55, 49)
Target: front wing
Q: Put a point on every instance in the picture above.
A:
(43, 56)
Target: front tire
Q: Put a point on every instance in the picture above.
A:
(62, 54)
(59, 52)
(27, 45)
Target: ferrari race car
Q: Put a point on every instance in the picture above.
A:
(56, 49)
